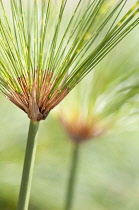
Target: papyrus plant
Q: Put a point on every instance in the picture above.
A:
(47, 47)
(105, 101)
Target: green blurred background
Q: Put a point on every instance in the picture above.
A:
(108, 172)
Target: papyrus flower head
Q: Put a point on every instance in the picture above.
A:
(47, 47)
(106, 99)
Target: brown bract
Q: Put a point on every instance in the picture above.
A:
(81, 131)
(37, 100)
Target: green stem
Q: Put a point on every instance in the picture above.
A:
(25, 188)
(72, 178)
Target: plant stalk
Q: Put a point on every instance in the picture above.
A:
(72, 177)
(25, 187)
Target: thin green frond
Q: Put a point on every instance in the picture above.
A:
(108, 97)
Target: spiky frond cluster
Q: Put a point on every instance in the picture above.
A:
(48, 46)
(107, 98)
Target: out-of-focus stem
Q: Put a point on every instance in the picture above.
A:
(25, 187)
(72, 177)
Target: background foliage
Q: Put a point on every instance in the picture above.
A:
(108, 173)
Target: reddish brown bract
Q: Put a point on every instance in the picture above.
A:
(80, 132)
(37, 100)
